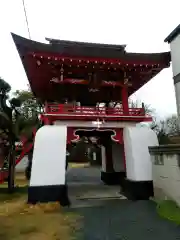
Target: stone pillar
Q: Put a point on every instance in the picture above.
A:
(138, 184)
(48, 173)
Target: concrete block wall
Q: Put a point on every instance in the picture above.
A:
(166, 172)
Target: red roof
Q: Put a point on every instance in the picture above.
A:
(77, 62)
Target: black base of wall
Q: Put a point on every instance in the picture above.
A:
(113, 178)
(55, 193)
(137, 190)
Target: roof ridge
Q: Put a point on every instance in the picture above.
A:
(87, 44)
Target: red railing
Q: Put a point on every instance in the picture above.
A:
(62, 109)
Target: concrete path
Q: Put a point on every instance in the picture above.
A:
(89, 175)
(124, 220)
(107, 216)
(84, 184)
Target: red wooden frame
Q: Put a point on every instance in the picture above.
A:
(141, 63)
(117, 136)
(86, 82)
(72, 135)
(62, 109)
(4, 173)
(54, 112)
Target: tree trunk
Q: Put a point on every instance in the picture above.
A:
(11, 167)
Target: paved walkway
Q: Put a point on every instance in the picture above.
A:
(85, 184)
(107, 219)
(84, 175)
(124, 220)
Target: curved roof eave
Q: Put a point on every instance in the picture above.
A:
(173, 34)
(25, 45)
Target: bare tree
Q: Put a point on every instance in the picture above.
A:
(138, 104)
(166, 128)
(172, 125)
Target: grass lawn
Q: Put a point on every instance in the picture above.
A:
(79, 165)
(19, 221)
(168, 209)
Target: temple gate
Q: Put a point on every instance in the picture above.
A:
(85, 87)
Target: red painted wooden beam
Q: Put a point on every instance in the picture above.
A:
(85, 82)
(124, 95)
(98, 60)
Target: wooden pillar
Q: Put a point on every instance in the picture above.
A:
(109, 157)
(46, 107)
(124, 96)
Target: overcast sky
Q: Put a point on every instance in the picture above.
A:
(142, 25)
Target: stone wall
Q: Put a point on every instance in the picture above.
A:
(166, 171)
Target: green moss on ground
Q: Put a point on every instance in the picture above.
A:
(168, 209)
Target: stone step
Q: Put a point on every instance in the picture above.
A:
(83, 203)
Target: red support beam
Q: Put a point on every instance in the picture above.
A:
(124, 96)
(45, 119)
(46, 107)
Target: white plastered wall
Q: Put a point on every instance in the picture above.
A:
(175, 58)
(177, 92)
(138, 160)
(175, 55)
(108, 124)
(49, 156)
(166, 177)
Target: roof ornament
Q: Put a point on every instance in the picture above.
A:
(38, 62)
